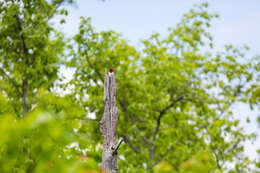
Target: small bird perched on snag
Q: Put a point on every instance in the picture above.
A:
(110, 71)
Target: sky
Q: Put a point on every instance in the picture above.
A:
(138, 19)
(238, 24)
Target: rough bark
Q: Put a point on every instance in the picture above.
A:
(108, 126)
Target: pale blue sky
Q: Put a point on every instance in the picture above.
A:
(239, 24)
(138, 19)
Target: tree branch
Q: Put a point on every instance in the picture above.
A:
(91, 66)
(134, 122)
(25, 80)
(162, 112)
(55, 10)
(217, 159)
(117, 146)
(151, 152)
(11, 81)
(127, 140)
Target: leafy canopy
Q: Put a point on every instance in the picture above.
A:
(174, 95)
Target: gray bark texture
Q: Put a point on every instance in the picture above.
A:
(108, 126)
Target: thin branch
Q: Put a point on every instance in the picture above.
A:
(25, 80)
(89, 63)
(217, 159)
(162, 112)
(16, 86)
(127, 140)
(157, 126)
(117, 146)
(134, 122)
(162, 158)
(165, 153)
(55, 10)
(19, 25)
(151, 152)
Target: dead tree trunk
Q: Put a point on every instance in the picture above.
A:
(108, 126)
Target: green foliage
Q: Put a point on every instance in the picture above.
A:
(175, 100)
(163, 167)
(41, 142)
(200, 163)
(29, 50)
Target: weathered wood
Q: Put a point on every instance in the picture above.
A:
(108, 126)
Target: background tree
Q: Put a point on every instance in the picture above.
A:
(30, 50)
(174, 97)
(30, 57)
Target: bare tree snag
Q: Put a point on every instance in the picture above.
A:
(108, 126)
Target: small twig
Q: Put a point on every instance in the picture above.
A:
(16, 86)
(162, 112)
(127, 140)
(117, 146)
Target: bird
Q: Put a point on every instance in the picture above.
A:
(111, 70)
